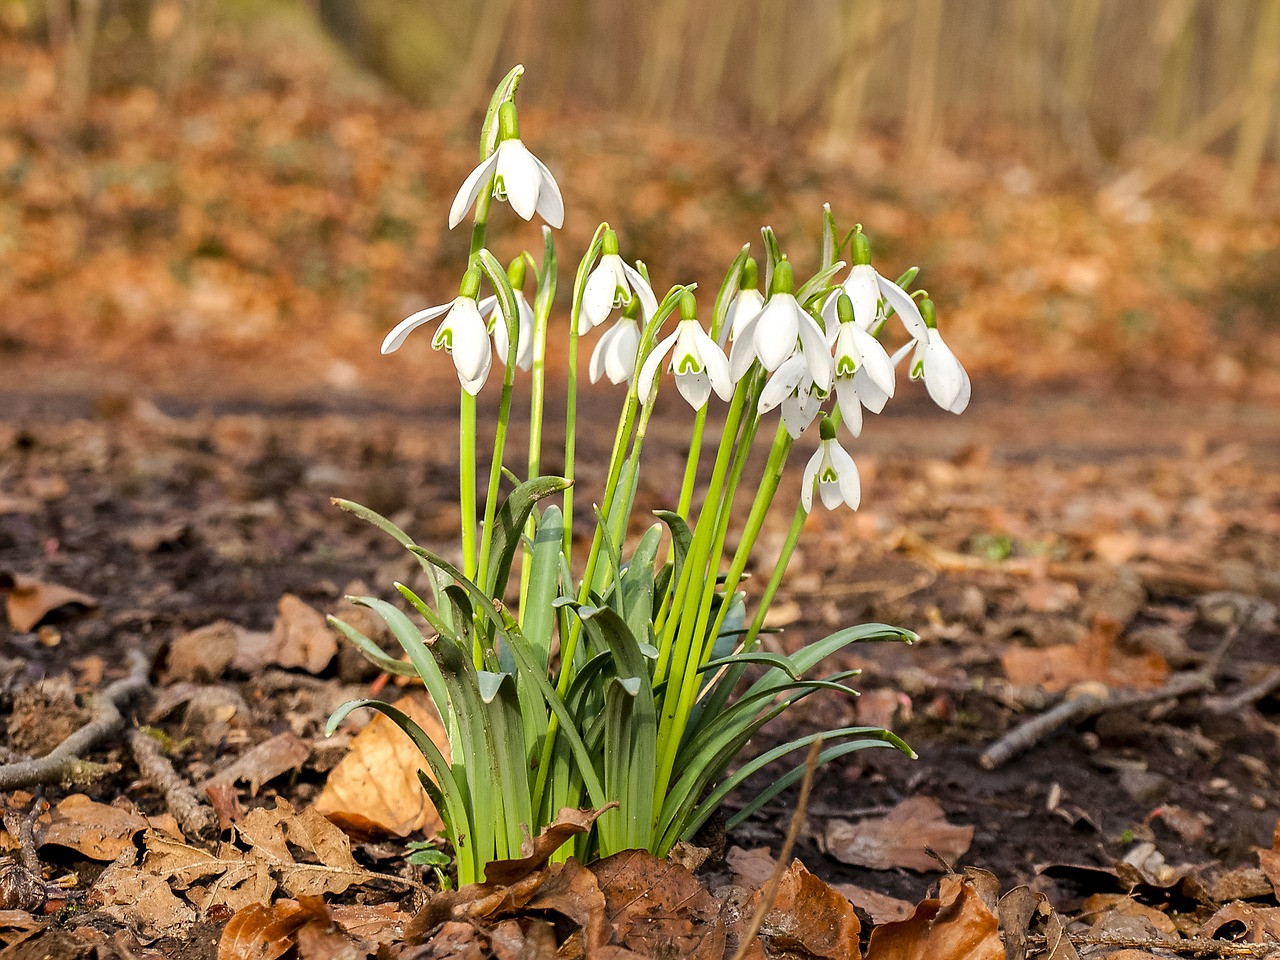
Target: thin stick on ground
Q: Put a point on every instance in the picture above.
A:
(195, 819)
(65, 763)
(1074, 709)
(770, 892)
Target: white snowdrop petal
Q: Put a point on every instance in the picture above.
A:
(874, 360)
(595, 369)
(695, 388)
(863, 291)
(476, 180)
(634, 280)
(847, 472)
(807, 478)
(597, 297)
(872, 397)
(742, 353)
(550, 201)
(832, 495)
(943, 376)
(649, 371)
(470, 348)
(776, 331)
(521, 177)
(395, 339)
(850, 404)
(816, 350)
(781, 384)
(961, 401)
(620, 364)
(905, 306)
(717, 367)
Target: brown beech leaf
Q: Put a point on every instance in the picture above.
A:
(808, 918)
(203, 654)
(229, 878)
(96, 830)
(140, 896)
(300, 638)
(262, 932)
(899, 838)
(265, 762)
(376, 924)
(751, 868)
(1094, 658)
(657, 908)
(955, 926)
(568, 823)
(270, 832)
(28, 601)
(374, 789)
(880, 907)
(1269, 861)
(1260, 923)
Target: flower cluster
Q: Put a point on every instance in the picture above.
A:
(824, 349)
(629, 683)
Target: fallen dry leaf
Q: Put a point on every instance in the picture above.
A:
(96, 830)
(535, 853)
(203, 654)
(657, 908)
(377, 924)
(270, 832)
(899, 838)
(880, 907)
(301, 638)
(1094, 658)
(1269, 861)
(139, 896)
(262, 932)
(28, 601)
(374, 788)
(1260, 923)
(751, 868)
(808, 918)
(955, 926)
(229, 878)
(265, 762)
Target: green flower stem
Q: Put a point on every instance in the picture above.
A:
(495, 469)
(755, 520)
(691, 465)
(467, 480)
(537, 392)
(570, 433)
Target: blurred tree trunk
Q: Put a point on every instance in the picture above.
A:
(922, 83)
(73, 33)
(710, 64)
(861, 31)
(1166, 79)
(1259, 110)
(770, 45)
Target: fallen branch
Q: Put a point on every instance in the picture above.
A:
(1228, 706)
(1074, 709)
(1193, 946)
(65, 763)
(195, 819)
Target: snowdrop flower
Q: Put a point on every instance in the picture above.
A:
(497, 323)
(462, 333)
(611, 284)
(944, 376)
(834, 472)
(746, 303)
(863, 370)
(521, 178)
(698, 363)
(792, 386)
(770, 336)
(869, 292)
(615, 353)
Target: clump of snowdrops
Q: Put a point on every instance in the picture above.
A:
(632, 681)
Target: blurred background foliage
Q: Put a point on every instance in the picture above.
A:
(1090, 186)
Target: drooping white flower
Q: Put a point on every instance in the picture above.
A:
(521, 178)
(771, 335)
(869, 293)
(611, 284)
(793, 387)
(834, 473)
(462, 333)
(944, 376)
(497, 324)
(863, 371)
(698, 362)
(615, 353)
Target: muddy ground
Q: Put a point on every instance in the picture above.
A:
(1097, 538)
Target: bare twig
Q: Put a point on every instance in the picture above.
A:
(194, 818)
(65, 763)
(23, 830)
(1193, 946)
(770, 892)
(1226, 706)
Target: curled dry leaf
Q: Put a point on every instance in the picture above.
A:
(374, 789)
(28, 600)
(880, 907)
(955, 926)
(270, 832)
(1269, 861)
(900, 838)
(96, 830)
(568, 823)
(1260, 923)
(203, 654)
(751, 868)
(300, 638)
(262, 932)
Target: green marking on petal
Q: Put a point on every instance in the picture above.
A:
(499, 189)
(443, 340)
(688, 364)
(828, 476)
(917, 370)
(845, 366)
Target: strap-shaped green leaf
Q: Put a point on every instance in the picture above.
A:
(411, 641)
(636, 584)
(372, 652)
(509, 524)
(537, 614)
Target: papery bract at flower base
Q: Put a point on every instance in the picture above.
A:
(834, 472)
(521, 179)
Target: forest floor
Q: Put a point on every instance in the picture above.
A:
(191, 313)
